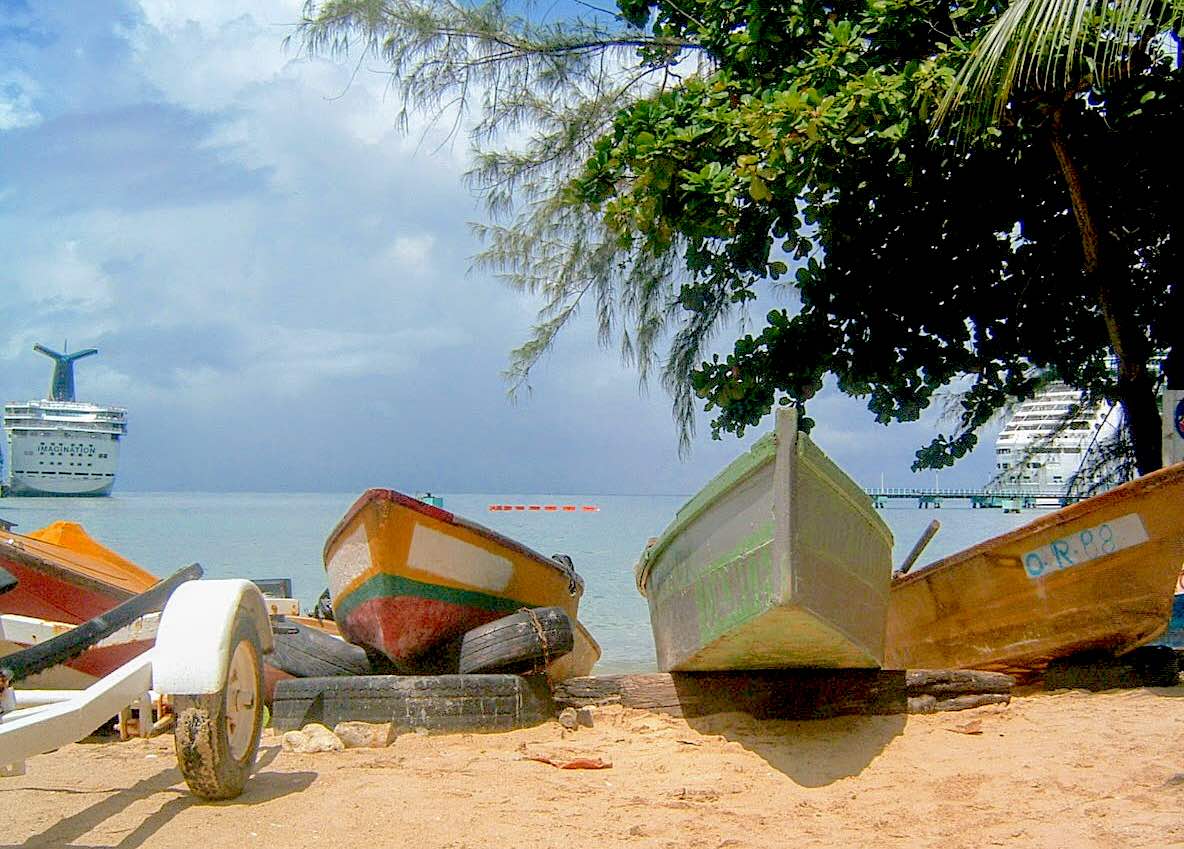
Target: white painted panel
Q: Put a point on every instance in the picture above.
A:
(349, 560)
(456, 560)
(28, 630)
(1085, 545)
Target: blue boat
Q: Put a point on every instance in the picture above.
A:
(1174, 635)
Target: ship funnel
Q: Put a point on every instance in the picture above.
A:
(61, 388)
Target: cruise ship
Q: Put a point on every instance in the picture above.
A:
(1048, 440)
(60, 446)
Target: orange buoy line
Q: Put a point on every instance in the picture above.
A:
(545, 508)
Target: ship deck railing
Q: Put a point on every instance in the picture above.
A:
(979, 498)
(72, 427)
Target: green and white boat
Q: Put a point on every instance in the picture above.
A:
(780, 561)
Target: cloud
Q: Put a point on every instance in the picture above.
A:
(17, 92)
(278, 281)
(65, 280)
(412, 252)
(207, 56)
(147, 156)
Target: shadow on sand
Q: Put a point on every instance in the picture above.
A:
(814, 725)
(813, 752)
(261, 787)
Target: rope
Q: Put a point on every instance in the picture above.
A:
(542, 635)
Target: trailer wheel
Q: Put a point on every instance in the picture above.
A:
(217, 734)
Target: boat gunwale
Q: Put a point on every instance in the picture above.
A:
(375, 495)
(825, 470)
(58, 569)
(1065, 515)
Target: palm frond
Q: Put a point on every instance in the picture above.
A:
(1054, 44)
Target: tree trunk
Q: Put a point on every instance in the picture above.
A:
(1136, 388)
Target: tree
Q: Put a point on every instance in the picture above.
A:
(1061, 49)
(805, 136)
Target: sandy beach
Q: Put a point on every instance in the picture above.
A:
(1050, 770)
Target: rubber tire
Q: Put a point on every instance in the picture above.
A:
(312, 653)
(200, 734)
(7, 581)
(323, 609)
(442, 703)
(514, 644)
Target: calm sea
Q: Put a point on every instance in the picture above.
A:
(267, 535)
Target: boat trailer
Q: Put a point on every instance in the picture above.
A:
(208, 657)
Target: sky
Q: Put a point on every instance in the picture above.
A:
(279, 285)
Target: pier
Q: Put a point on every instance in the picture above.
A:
(932, 498)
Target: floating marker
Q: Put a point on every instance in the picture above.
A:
(545, 508)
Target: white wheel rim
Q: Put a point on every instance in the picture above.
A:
(242, 695)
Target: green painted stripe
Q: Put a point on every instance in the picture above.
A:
(678, 576)
(383, 585)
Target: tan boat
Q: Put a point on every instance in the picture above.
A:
(780, 561)
(1097, 575)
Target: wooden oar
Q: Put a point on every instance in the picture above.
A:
(919, 547)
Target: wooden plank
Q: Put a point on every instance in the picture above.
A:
(934, 704)
(790, 694)
(954, 681)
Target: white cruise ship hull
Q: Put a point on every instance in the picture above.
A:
(70, 463)
(52, 487)
(62, 448)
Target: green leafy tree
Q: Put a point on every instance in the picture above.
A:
(681, 162)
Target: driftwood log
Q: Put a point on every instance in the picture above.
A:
(791, 694)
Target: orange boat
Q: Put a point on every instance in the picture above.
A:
(65, 576)
(409, 579)
(1098, 575)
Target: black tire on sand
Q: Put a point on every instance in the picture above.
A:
(7, 581)
(442, 703)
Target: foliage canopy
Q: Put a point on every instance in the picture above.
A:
(689, 155)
